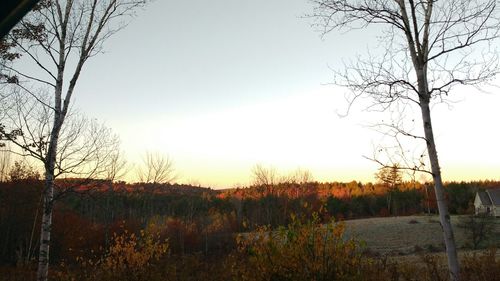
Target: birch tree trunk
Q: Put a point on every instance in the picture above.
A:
(48, 200)
(44, 250)
(444, 216)
(419, 52)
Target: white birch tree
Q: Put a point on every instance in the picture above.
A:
(430, 46)
(58, 38)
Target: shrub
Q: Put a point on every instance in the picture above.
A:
(485, 267)
(300, 251)
(130, 257)
(477, 228)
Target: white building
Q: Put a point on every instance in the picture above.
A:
(488, 202)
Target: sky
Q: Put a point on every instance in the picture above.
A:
(220, 86)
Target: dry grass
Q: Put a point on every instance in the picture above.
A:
(404, 235)
(441, 256)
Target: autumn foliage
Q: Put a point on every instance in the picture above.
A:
(304, 250)
(129, 257)
(134, 232)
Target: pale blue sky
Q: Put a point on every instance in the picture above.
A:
(196, 55)
(224, 84)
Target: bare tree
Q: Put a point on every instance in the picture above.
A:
(264, 178)
(86, 148)
(430, 47)
(156, 168)
(117, 167)
(267, 179)
(58, 37)
(299, 179)
(264, 175)
(23, 171)
(299, 176)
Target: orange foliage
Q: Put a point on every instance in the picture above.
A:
(130, 257)
(300, 251)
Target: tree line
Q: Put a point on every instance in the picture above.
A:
(429, 48)
(197, 219)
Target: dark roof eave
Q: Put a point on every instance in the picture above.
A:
(12, 11)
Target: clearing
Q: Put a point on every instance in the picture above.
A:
(409, 234)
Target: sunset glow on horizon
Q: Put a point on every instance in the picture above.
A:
(219, 148)
(219, 91)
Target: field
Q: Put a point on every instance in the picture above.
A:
(409, 234)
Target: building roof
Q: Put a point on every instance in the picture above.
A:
(494, 196)
(484, 198)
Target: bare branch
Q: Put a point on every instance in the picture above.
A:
(441, 39)
(156, 168)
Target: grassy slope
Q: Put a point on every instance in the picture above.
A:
(396, 235)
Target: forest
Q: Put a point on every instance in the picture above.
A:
(144, 231)
(223, 87)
